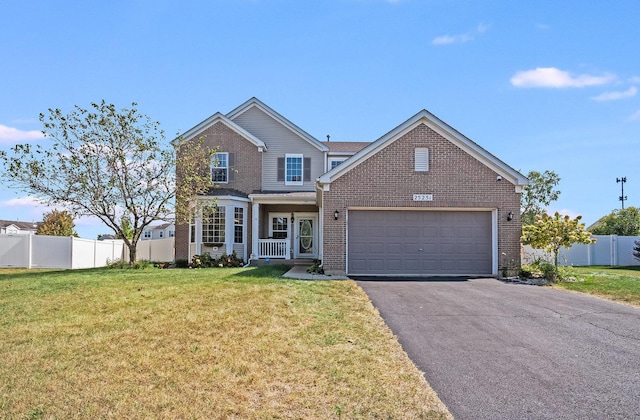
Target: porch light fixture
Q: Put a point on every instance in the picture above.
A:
(510, 216)
(336, 214)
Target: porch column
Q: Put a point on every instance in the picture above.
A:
(255, 219)
(228, 230)
(198, 223)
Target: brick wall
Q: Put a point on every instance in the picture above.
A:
(247, 176)
(388, 179)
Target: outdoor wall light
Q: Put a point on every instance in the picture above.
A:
(510, 216)
(336, 214)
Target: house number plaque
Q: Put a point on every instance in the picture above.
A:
(422, 197)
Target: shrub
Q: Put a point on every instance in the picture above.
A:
(203, 260)
(229, 260)
(123, 265)
(316, 268)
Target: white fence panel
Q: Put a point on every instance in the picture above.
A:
(158, 250)
(108, 250)
(40, 251)
(51, 251)
(608, 250)
(14, 250)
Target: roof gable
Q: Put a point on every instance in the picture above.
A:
(221, 118)
(256, 103)
(440, 127)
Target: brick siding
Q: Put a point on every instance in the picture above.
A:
(387, 180)
(247, 177)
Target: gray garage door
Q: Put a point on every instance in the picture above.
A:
(390, 242)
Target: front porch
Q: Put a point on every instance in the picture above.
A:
(285, 226)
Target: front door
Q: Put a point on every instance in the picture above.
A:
(305, 236)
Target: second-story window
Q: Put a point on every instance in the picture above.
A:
(293, 169)
(220, 168)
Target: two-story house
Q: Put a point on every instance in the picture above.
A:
(421, 200)
(162, 231)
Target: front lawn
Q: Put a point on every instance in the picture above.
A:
(614, 283)
(214, 343)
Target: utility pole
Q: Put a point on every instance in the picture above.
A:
(622, 197)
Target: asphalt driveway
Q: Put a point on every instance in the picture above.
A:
(503, 351)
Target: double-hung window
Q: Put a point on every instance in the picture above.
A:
(238, 223)
(293, 169)
(213, 224)
(220, 168)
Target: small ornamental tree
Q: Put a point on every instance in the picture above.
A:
(550, 233)
(57, 223)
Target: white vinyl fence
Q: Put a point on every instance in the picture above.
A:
(157, 250)
(66, 252)
(39, 251)
(608, 250)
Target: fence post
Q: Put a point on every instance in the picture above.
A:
(30, 251)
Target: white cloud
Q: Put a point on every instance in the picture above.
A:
(612, 96)
(635, 116)
(13, 135)
(551, 77)
(460, 38)
(542, 26)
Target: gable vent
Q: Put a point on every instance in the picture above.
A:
(421, 159)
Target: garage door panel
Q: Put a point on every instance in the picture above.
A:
(391, 242)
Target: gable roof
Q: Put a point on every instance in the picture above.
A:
(219, 117)
(442, 128)
(19, 225)
(257, 103)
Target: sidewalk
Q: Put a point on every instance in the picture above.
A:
(300, 272)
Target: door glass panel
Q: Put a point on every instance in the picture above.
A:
(306, 236)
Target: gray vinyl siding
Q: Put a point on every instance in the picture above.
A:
(280, 141)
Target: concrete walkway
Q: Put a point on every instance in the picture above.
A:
(300, 272)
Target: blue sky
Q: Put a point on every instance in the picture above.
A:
(541, 85)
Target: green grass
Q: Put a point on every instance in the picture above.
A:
(212, 343)
(620, 284)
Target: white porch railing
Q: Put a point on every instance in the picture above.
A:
(274, 248)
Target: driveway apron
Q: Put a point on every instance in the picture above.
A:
(503, 351)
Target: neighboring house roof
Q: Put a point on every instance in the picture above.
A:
(162, 226)
(255, 102)
(219, 117)
(344, 147)
(442, 128)
(19, 225)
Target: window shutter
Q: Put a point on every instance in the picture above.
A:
(306, 168)
(232, 164)
(281, 169)
(421, 155)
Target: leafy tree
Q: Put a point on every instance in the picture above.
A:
(57, 223)
(550, 233)
(127, 229)
(104, 162)
(623, 222)
(538, 194)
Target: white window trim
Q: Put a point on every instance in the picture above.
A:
(337, 160)
(421, 159)
(270, 222)
(294, 156)
(214, 167)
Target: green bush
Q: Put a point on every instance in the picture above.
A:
(205, 260)
(123, 265)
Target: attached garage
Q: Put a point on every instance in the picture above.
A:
(419, 242)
